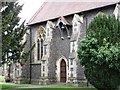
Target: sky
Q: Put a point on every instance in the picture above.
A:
(29, 9)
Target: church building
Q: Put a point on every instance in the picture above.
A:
(55, 30)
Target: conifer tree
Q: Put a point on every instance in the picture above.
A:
(12, 34)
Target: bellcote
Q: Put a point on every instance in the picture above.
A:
(62, 20)
(62, 24)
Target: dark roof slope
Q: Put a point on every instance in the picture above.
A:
(52, 10)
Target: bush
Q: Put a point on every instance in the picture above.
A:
(99, 52)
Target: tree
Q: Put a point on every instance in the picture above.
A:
(12, 34)
(99, 52)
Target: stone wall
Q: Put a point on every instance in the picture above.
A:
(35, 73)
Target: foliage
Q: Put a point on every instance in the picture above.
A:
(99, 52)
(12, 34)
(13, 44)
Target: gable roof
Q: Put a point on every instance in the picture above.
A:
(52, 10)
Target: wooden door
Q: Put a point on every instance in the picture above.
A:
(63, 71)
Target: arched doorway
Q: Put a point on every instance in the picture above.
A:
(63, 71)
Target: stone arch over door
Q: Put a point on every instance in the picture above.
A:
(62, 75)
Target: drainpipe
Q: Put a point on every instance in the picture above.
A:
(30, 53)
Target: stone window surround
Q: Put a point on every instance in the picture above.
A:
(40, 49)
(40, 34)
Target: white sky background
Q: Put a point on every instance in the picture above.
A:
(29, 9)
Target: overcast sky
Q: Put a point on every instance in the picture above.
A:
(29, 8)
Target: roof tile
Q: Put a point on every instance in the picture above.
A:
(52, 10)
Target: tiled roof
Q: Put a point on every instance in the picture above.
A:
(52, 10)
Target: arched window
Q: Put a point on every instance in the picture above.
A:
(41, 48)
(40, 41)
(38, 50)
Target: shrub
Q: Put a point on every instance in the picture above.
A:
(99, 52)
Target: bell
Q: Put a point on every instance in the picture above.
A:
(62, 27)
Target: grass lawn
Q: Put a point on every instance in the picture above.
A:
(9, 86)
(67, 86)
(63, 87)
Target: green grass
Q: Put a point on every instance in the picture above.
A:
(66, 86)
(2, 79)
(4, 86)
(62, 87)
